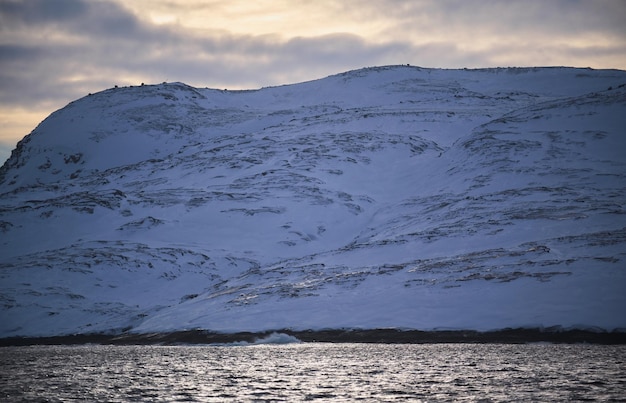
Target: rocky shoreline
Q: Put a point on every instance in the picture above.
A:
(391, 336)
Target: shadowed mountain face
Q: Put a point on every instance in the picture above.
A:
(384, 197)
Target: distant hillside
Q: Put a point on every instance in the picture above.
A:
(389, 197)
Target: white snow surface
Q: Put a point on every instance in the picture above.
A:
(389, 197)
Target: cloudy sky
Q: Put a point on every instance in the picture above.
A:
(55, 51)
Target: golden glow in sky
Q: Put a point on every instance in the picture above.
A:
(278, 17)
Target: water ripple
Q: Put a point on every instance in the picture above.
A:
(313, 372)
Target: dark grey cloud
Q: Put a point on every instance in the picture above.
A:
(35, 12)
(531, 17)
(88, 17)
(14, 52)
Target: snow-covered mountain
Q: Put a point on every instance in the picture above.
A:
(384, 197)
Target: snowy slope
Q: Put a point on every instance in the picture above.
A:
(383, 197)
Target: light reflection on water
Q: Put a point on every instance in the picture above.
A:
(324, 372)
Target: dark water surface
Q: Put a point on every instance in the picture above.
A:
(311, 371)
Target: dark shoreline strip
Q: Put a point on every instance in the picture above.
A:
(390, 336)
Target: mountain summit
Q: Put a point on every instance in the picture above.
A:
(390, 197)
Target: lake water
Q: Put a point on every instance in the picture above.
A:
(311, 371)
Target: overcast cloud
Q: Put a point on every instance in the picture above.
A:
(54, 51)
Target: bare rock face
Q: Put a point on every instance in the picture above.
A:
(392, 197)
